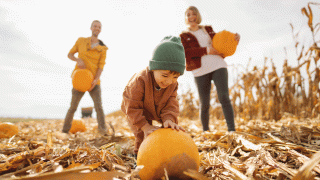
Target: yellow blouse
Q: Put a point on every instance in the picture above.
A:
(93, 58)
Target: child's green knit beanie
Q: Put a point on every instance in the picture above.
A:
(168, 55)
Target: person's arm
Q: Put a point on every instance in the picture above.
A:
(148, 129)
(213, 51)
(172, 125)
(193, 54)
(96, 78)
(170, 112)
(79, 61)
(191, 51)
(98, 74)
(102, 62)
(132, 102)
(71, 56)
(132, 106)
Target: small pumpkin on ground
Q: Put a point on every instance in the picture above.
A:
(82, 79)
(167, 149)
(225, 43)
(77, 126)
(8, 130)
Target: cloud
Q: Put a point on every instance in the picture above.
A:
(27, 76)
(17, 51)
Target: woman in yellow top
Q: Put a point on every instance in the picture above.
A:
(91, 55)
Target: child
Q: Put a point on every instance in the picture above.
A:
(151, 93)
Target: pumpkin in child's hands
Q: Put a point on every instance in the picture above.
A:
(8, 130)
(167, 149)
(224, 42)
(82, 79)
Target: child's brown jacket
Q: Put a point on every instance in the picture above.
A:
(142, 102)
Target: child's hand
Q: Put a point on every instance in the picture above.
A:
(148, 129)
(169, 123)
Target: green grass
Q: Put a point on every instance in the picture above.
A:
(14, 120)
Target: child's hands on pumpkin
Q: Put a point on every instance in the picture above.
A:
(148, 129)
(80, 63)
(237, 37)
(169, 123)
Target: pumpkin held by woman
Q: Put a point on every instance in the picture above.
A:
(82, 79)
(224, 42)
(168, 149)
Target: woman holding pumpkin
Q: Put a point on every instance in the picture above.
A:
(206, 64)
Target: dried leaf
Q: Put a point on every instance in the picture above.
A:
(195, 175)
(305, 170)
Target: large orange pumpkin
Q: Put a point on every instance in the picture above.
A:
(77, 126)
(225, 43)
(167, 149)
(82, 79)
(8, 130)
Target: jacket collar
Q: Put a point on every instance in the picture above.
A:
(98, 48)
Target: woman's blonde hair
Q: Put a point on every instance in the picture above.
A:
(194, 9)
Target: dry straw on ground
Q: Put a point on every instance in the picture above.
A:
(260, 149)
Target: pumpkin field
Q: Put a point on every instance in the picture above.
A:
(277, 136)
(260, 149)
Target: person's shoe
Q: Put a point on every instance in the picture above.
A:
(104, 133)
(230, 133)
(107, 133)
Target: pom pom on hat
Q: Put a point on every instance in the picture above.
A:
(168, 55)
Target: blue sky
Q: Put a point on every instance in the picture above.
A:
(36, 36)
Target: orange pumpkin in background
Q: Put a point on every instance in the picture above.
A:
(77, 126)
(167, 149)
(225, 43)
(82, 79)
(8, 130)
